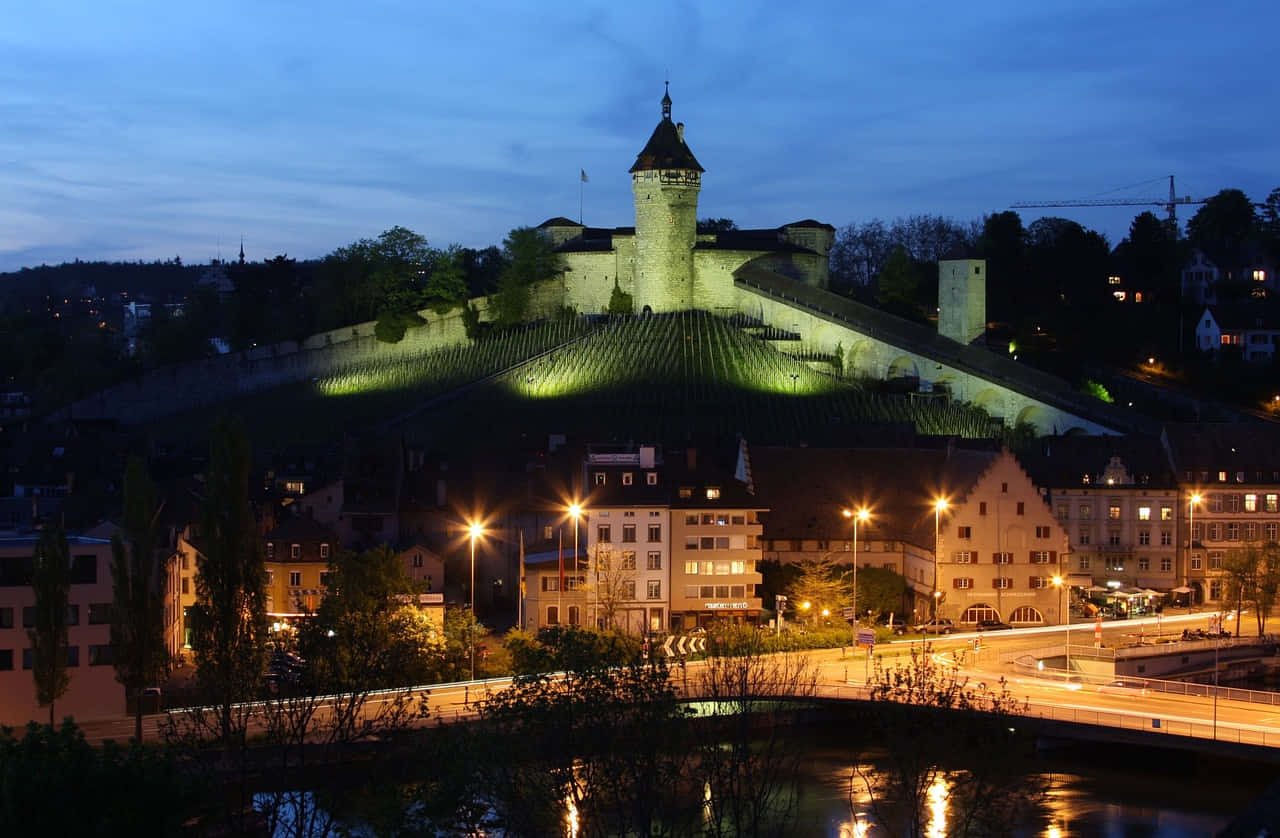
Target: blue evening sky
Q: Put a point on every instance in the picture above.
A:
(139, 129)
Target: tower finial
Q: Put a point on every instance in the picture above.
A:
(666, 100)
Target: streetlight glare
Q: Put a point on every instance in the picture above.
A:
(1196, 499)
(941, 505)
(575, 511)
(475, 530)
(1057, 580)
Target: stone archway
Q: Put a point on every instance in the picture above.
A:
(1037, 417)
(903, 366)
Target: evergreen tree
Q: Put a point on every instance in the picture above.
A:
(51, 581)
(229, 620)
(137, 610)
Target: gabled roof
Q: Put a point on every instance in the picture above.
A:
(806, 489)
(559, 221)
(1251, 448)
(1061, 462)
(1247, 316)
(299, 528)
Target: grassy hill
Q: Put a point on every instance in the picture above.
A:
(655, 377)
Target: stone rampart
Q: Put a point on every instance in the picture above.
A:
(184, 386)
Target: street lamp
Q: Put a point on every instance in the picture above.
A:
(1061, 585)
(575, 512)
(939, 506)
(475, 530)
(1192, 502)
(861, 515)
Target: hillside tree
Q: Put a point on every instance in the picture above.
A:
(228, 620)
(140, 656)
(51, 582)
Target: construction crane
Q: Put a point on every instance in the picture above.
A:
(1170, 204)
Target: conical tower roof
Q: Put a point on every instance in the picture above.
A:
(666, 149)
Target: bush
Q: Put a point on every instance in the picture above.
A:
(392, 325)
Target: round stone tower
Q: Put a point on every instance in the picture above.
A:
(665, 180)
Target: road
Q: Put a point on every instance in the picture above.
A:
(843, 673)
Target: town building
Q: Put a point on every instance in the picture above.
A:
(1118, 501)
(997, 547)
(1229, 476)
(93, 691)
(1250, 328)
(297, 553)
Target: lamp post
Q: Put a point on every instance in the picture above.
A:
(575, 512)
(779, 603)
(860, 515)
(1062, 584)
(475, 531)
(939, 506)
(1192, 502)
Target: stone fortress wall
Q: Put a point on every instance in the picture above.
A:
(183, 386)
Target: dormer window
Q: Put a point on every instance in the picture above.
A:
(627, 478)
(713, 493)
(651, 478)
(295, 551)
(686, 492)
(271, 550)
(599, 478)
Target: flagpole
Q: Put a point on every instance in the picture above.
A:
(580, 200)
(520, 602)
(560, 587)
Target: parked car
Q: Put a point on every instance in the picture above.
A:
(1125, 686)
(938, 626)
(897, 626)
(991, 625)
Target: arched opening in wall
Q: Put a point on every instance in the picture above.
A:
(978, 613)
(1027, 616)
(990, 400)
(903, 375)
(857, 359)
(646, 310)
(946, 384)
(1037, 417)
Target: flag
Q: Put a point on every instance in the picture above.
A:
(582, 173)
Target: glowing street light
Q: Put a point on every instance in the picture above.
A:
(1192, 502)
(940, 505)
(862, 515)
(576, 512)
(475, 530)
(1061, 584)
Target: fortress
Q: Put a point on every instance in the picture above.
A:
(773, 280)
(663, 262)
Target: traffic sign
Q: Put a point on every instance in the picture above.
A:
(866, 637)
(847, 613)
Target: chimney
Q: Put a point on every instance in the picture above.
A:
(646, 456)
(691, 458)
(680, 131)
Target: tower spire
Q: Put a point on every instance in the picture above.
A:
(666, 100)
(242, 250)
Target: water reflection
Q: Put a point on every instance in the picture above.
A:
(937, 797)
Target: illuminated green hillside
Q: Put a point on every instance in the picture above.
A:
(660, 376)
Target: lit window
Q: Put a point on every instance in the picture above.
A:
(1113, 280)
(1259, 275)
(713, 493)
(1144, 513)
(1166, 513)
(1250, 503)
(1119, 295)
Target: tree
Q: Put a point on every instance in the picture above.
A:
(880, 590)
(914, 715)
(620, 302)
(446, 285)
(1003, 244)
(137, 609)
(898, 284)
(51, 582)
(1152, 251)
(611, 582)
(1222, 226)
(365, 634)
(228, 620)
(716, 225)
(530, 258)
(822, 584)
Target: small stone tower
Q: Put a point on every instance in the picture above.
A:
(962, 299)
(665, 180)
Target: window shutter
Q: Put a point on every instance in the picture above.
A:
(1031, 583)
(1053, 557)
